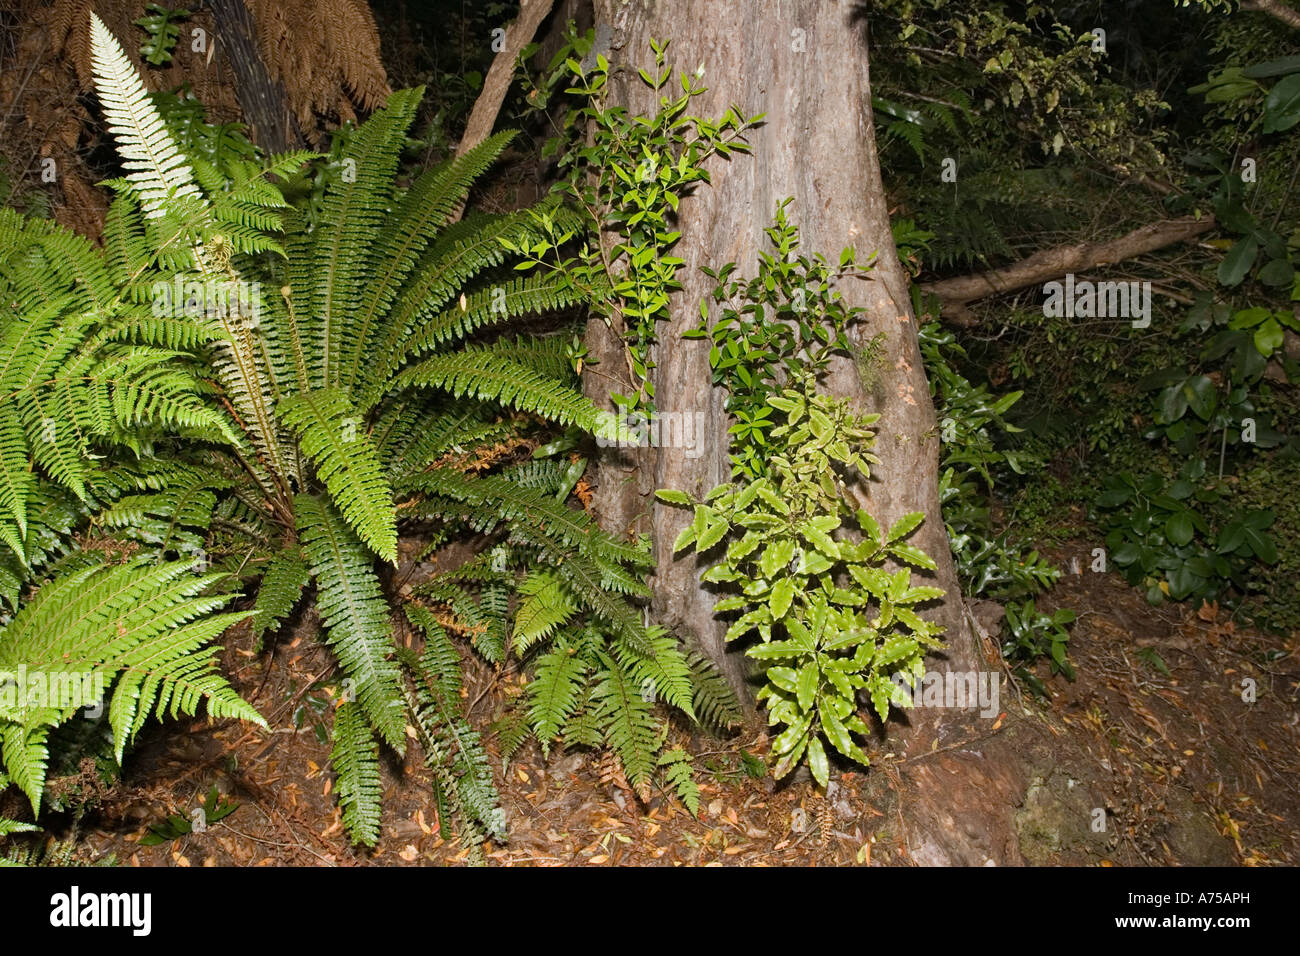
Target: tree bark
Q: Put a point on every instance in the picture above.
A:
(262, 101)
(502, 72)
(804, 64)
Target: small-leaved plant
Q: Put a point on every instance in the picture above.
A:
(830, 617)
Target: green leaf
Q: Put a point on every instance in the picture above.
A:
(1238, 261)
(781, 597)
(807, 685)
(1179, 528)
(1282, 105)
(905, 526)
(673, 497)
(817, 761)
(914, 556)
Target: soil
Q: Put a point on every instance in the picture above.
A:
(1150, 757)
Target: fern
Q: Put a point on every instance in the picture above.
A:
(553, 692)
(453, 750)
(282, 585)
(714, 700)
(628, 719)
(142, 630)
(355, 758)
(676, 766)
(354, 613)
(291, 436)
(545, 604)
(346, 462)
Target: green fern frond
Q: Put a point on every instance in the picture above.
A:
(553, 692)
(353, 219)
(545, 603)
(664, 674)
(487, 377)
(354, 612)
(714, 700)
(676, 767)
(331, 434)
(628, 720)
(355, 758)
(280, 590)
(453, 750)
(493, 305)
(140, 629)
(424, 210)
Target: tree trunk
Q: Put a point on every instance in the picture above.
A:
(804, 64)
(262, 100)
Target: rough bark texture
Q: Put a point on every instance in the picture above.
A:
(956, 293)
(263, 101)
(804, 64)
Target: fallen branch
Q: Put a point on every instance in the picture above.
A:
(957, 293)
(1276, 9)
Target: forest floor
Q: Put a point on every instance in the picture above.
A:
(1154, 733)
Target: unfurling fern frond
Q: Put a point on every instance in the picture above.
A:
(140, 631)
(355, 759)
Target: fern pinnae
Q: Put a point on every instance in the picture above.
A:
(424, 209)
(355, 759)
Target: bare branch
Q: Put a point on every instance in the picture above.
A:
(956, 293)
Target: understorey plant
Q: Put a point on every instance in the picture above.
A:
(805, 573)
(236, 393)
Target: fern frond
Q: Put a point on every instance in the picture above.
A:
(425, 208)
(155, 166)
(676, 767)
(714, 701)
(545, 603)
(454, 751)
(355, 758)
(628, 720)
(137, 628)
(330, 432)
(553, 692)
(487, 377)
(352, 223)
(280, 590)
(354, 612)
